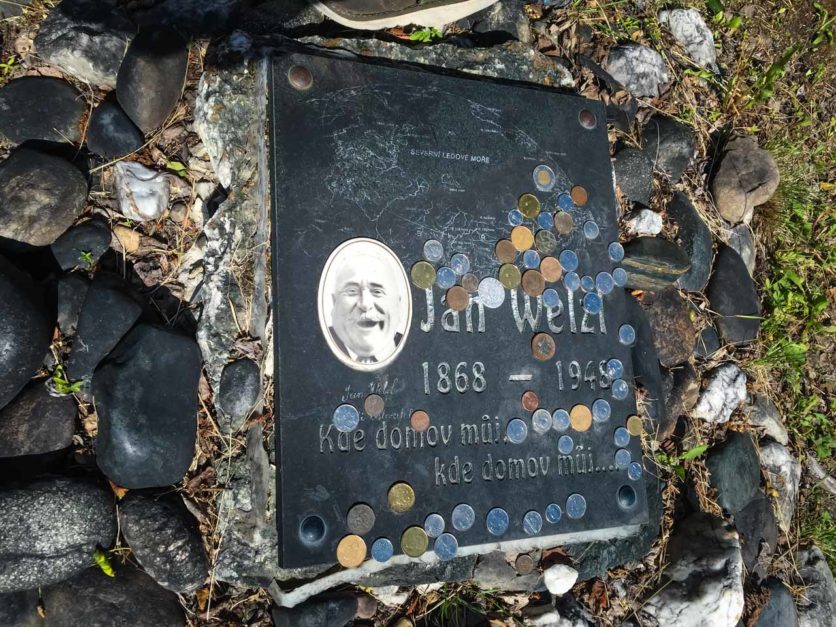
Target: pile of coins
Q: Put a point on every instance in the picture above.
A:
(456, 278)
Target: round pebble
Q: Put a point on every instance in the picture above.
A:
(615, 369)
(517, 431)
(515, 217)
(621, 437)
(491, 293)
(615, 251)
(497, 521)
(619, 277)
(592, 303)
(575, 506)
(560, 420)
(446, 546)
(601, 410)
(545, 220)
(553, 513)
(622, 458)
(590, 229)
(551, 297)
(460, 264)
(634, 471)
(346, 418)
(382, 550)
(434, 525)
(541, 421)
(433, 250)
(445, 278)
(626, 334)
(565, 444)
(462, 517)
(564, 201)
(587, 283)
(531, 259)
(569, 260)
(544, 178)
(604, 282)
(620, 389)
(532, 522)
(571, 281)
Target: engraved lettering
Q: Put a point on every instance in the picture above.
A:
(516, 468)
(427, 325)
(570, 298)
(532, 320)
(440, 477)
(552, 313)
(450, 320)
(469, 434)
(325, 437)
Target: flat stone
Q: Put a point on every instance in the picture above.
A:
(151, 77)
(747, 177)
(669, 145)
(95, 600)
(50, 530)
(695, 238)
(494, 572)
(779, 610)
(763, 413)
(784, 474)
(20, 609)
(682, 390)
(506, 16)
(165, 540)
(111, 133)
(40, 196)
(639, 68)
(653, 263)
(142, 192)
(644, 222)
(38, 107)
(708, 343)
(82, 245)
(239, 391)
(693, 34)
(758, 533)
(146, 398)
(673, 329)
(818, 605)
(71, 290)
(741, 239)
(634, 174)
(195, 17)
(733, 298)
(735, 471)
(35, 422)
(12, 10)
(725, 391)
(337, 610)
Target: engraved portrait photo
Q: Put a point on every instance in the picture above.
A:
(365, 304)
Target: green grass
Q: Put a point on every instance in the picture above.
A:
(818, 525)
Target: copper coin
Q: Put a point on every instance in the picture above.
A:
(524, 564)
(634, 425)
(551, 269)
(374, 404)
(522, 238)
(419, 420)
(414, 541)
(505, 251)
(529, 206)
(542, 346)
(563, 222)
(457, 298)
(470, 282)
(401, 497)
(351, 551)
(579, 195)
(509, 276)
(530, 401)
(587, 118)
(533, 283)
(580, 418)
(360, 519)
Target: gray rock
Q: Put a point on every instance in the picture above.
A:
(673, 329)
(639, 68)
(784, 474)
(707, 344)
(71, 291)
(36, 422)
(505, 16)
(695, 238)
(37, 107)
(493, 572)
(644, 222)
(111, 133)
(734, 298)
(50, 530)
(82, 245)
(735, 471)
(669, 145)
(40, 196)
(239, 391)
(13, 9)
(725, 391)
(740, 238)
(279, 16)
(93, 599)
(818, 605)
(142, 192)
(758, 532)
(195, 17)
(653, 263)
(165, 540)
(763, 413)
(703, 582)
(20, 609)
(86, 39)
(747, 177)
(693, 34)
(779, 610)
(682, 390)
(335, 610)
(634, 175)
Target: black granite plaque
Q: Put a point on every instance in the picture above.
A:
(370, 163)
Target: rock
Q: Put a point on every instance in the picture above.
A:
(151, 77)
(779, 610)
(747, 177)
(93, 599)
(784, 474)
(740, 238)
(165, 540)
(682, 390)
(40, 196)
(20, 609)
(692, 33)
(239, 391)
(366, 607)
(335, 610)
(13, 9)
(25, 331)
(71, 291)
(644, 222)
(758, 534)
(82, 245)
(735, 471)
(125, 239)
(695, 238)
(634, 175)
(669, 145)
(86, 39)
(702, 584)
(37, 107)
(108, 313)
(707, 344)
(146, 398)
(179, 212)
(195, 17)
(673, 330)
(817, 607)
(639, 68)
(50, 530)
(734, 298)
(142, 192)
(493, 572)
(653, 263)
(725, 391)
(505, 16)
(764, 414)
(111, 133)
(35, 422)
(560, 578)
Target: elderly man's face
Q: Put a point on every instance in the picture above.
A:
(365, 305)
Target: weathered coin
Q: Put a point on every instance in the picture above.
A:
(587, 283)
(579, 195)
(457, 298)
(564, 201)
(529, 205)
(590, 229)
(433, 250)
(414, 541)
(541, 421)
(580, 417)
(634, 471)
(515, 218)
(544, 178)
(542, 346)
(592, 303)
(382, 550)
(401, 497)
(491, 293)
(622, 458)
(615, 368)
(360, 519)
(497, 521)
(533, 283)
(569, 260)
(634, 425)
(531, 259)
(445, 277)
(575, 506)
(626, 334)
(470, 282)
(460, 263)
(419, 420)
(571, 281)
(550, 269)
(463, 517)
(621, 437)
(619, 277)
(545, 220)
(505, 251)
(553, 513)
(615, 251)
(530, 400)
(545, 241)
(532, 522)
(524, 564)
(522, 238)
(351, 551)
(509, 276)
(346, 418)
(446, 547)
(551, 298)
(434, 525)
(423, 274)
(374, 404)
(565, 445)
(563, 223)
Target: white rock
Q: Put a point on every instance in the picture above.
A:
(142, 192)
(726, 390)
(817, 605)
(784, 473)
(692, 33)
(389, 595)
(644, 222)
(560, 578)
(762, 413)
(640, 69)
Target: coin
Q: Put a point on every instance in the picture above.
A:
(601, 410)
(571, 281)
(560, 420)
(446, 547)
(550, 269)
(615, 251)
(563, 223)
(545, 220)
(622, 458)
(463, 517)
(619, 277)
(579, 195)
(419, 420)
(401, 497)
(551, 298)
(553, 512)
(433, 250)
(382, 550)
(545, 241)
(470, 282)
(604, 282)
(497, 521)
(509, 276)
(544, 178)
(620, 389)
(564, 201)
(533, 283)
(434, 525)
(626, 334)
(351, 551)
(569, 260)
(423, 275)
(491, 293)
(587, 283)
(541, 421)
(580, 417)
(530, 400)
(634, 471)
(531, 259)
(360, 519)
(522, 238)
(515, 218)
(373, 405)
(634, 425)
(346, 418)
(529, 205)
(445, 277)
(460, 263)
(615, 368)
(565, 444)
(621, 437)
(592, 303)
(505, 251)
(414, 541)
(575, 506)
(532, 522)
(457, 298)
(524, 564)
(516, 431)
(542, 346)
(590, 229)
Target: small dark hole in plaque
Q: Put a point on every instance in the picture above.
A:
(312, 530)
(626, 497)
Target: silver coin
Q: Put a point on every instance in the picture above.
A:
(433, 250)
(622, 458)
(382, 550)
(516, 431)
(587, 283)
(532, 522)
(346, 418)
(551, 298)
(620, 389)
(446, 546)
(575, 506)
(604, 282)
(590, 229)
(463, 517)
(497, 521)
(561, 420)
(619, 277)
(615, 251)
(460, 264)
(634, 471)
(626, 334)
(601, 410)
(553, 512)
(615, 368)
(434, 525)
(565, 444)
(491, 293)
(445, 277)
(571, 281)
(621, 437)
(541, 421)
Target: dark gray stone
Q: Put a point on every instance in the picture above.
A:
(818, 605)
(695, 238)
(146, 398)
(38, 107)
(735, 471)
(634, 174)
(330, 611)
(743, 241)
(673, 329)
(151, 77)
(708, 343)
(165, 540)
(20, 609)
(763, 413)
(193, 17)
(669, 145)
(779, 610)
(13, 9)
(50, 530)
(82, 245)
(93, 599)
(747, 177)
(493, 572)
(239, 391)
(639, 68)
(40, 196)
(71, 290)
(506, 17)
(758, 533)
(35, 422)
(733, 297)
(682, 390)
(653, 263)
(111, 133)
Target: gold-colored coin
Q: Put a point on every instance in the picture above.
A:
(544, 177)
(509, 276)
(351, 551)
(530, 400)
(457, 298)
(374, 404)
(543, 347)
(522, 238)
(505, 251)
(533, 283)
(423, 274)
(401, 497)
(551, 269)
(580, 418)
(563, 222)
(419, 420)
(634, 425)
(529, 206)
(414, 541)
(545, 242)
(579, 195)
(470, 282)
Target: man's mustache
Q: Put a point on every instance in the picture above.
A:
(373, 315)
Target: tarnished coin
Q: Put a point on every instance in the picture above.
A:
(563, 223)
(579, 195)
(530, 400)
(542, 346)
(491, 293)
(470, 282)
(401, 497)
(545, 242)
(373, 405)
(360, 519)
(550, 269)
(634, 425)
(509, 276)
(529, 205)
(419, 420)
(382, 550)
(414, 541)
(505, 251)
(533, 283)
(524, 564)
(423, 274)
(580, 417)
(522, 238)
(457, 298)
(351, 551)
(433, 250)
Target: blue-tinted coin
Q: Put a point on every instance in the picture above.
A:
(463, 517)
(446, 546)
(604, 282)
(568, 260)
(541, 421)
(346, 418)
(601, 410)
(620, 389)
(433, 250)
(551, 298)
(434, 525)
(575, 506)
(545, 220)
(560, 420)
(544, 178)
(634, 471)
(445, 278)
(553, 512)
(621, 437)
(497, 521)
(515, 218)
(592, 303)
(532, 522)
(626, 334)
(517, 431)
(587, 283)
(382, 550)
(590, 229)
(564, 201)
(565, 444)
(615, 251)
(531, 259)
(615, 368)
(619, 277)
(460, 264)
(571, 281)
(622, 458)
